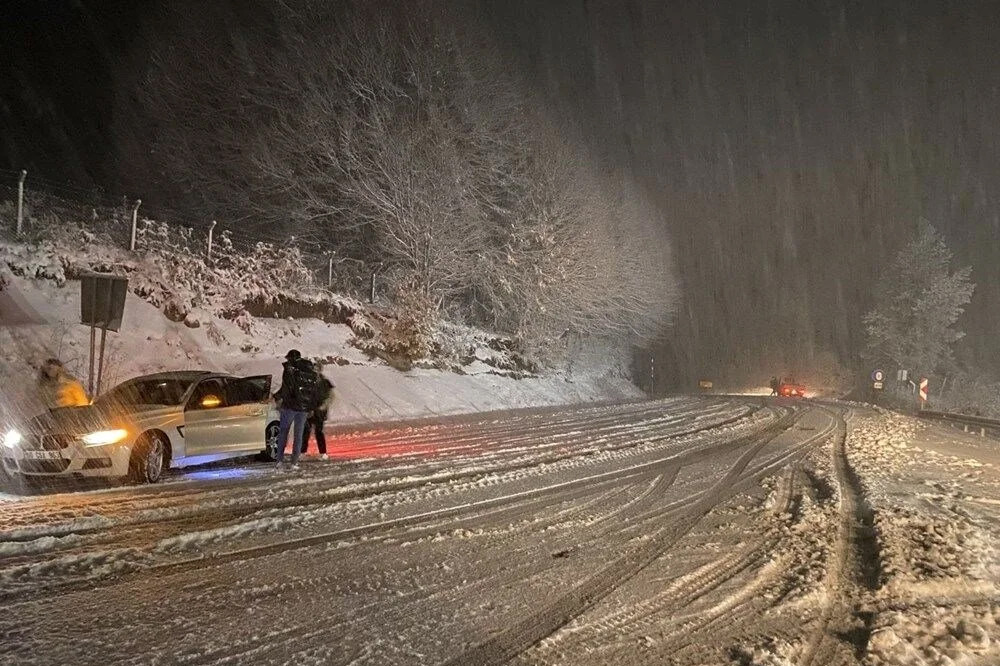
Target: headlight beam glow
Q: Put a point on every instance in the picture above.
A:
(103, 437)
(12, 438)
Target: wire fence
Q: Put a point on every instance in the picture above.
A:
(32, 206)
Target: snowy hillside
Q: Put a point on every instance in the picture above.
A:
(367, 389)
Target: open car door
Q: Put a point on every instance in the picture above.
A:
(252, 396)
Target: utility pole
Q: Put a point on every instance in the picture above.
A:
(20, 201)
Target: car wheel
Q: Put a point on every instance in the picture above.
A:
(270, 452)
(149, 458)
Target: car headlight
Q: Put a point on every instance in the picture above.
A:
(12, 438)
(102, 437)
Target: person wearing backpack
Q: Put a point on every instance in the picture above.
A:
(296, 398)
(317, 417)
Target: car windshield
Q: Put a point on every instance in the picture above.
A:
(147, 392)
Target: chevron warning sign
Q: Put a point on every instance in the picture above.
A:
(923, 389)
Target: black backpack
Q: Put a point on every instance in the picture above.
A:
(324, 390)
(307, 389)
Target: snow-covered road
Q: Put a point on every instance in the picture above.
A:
(688, 531)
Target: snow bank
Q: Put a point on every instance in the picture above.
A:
(934, 637)
(935, 553)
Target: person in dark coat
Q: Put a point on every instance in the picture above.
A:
(317, 417)
(295, 401)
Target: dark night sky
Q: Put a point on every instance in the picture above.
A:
(59, 60)
(790, 145)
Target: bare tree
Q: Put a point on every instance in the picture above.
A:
(394, 135)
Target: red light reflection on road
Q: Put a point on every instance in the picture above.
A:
(391, 444)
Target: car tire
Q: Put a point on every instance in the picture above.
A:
(148, 460)
(270, 452)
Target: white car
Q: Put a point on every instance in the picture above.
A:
(146, 425)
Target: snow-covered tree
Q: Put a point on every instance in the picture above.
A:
(918, 300)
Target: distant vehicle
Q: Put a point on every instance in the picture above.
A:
(791, 389)
(146, 425)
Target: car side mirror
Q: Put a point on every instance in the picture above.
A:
(210, 401)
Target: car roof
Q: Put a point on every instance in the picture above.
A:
(181, 375)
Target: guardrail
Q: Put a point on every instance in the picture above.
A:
(968, 422)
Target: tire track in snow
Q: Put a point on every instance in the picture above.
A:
(668, 473)
(326, 492)
(625, 623)
(842, 632)
(505, 645)
(302, 636)
(311, 640)
(138, 563)
(147, 531)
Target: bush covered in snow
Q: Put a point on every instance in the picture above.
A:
(171, 270)
(410, 333)
(178, 275)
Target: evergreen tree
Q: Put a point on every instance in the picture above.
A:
(918, 299)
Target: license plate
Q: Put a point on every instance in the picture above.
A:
(42, 455)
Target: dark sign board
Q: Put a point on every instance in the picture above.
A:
(102, 300)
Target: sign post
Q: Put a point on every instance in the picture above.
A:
(923, 391)
(877, 378)
(102, 304)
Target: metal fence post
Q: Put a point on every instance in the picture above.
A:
(329, 271)
(20, 201)
(211, 229)
(135, 222)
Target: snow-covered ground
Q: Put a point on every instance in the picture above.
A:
(889, 557)
(367, 390)
(691, 531)
(400, 560)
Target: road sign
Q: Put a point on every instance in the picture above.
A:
(704, 384)
(102, 303)
(923, 389)
(877, 375)
(102, 300)
(902, 375)
(877, 386)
